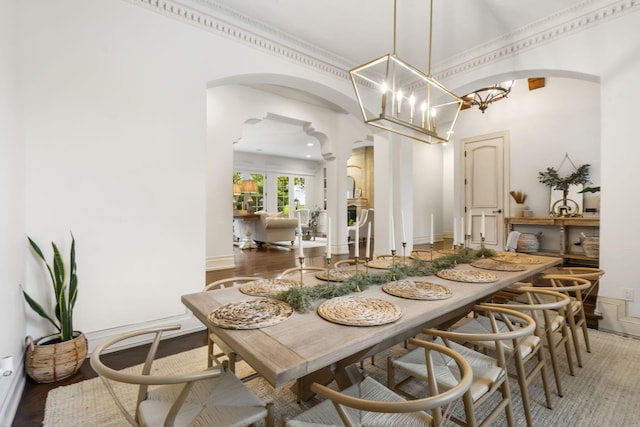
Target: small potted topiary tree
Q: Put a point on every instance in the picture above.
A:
(61, 354)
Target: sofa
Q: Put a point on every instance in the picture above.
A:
(274, 227)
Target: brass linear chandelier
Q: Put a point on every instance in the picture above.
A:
(487, 95)
(398, 97)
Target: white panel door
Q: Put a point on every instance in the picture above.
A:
(485, 187)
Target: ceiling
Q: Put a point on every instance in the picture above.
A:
(349, 33)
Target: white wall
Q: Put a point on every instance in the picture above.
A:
(544, 124)
(118, 148)
(12, 212)
(428, 192)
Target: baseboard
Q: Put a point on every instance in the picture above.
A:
(188, 324)
(11, 387)
(220, 262)
(615, 317)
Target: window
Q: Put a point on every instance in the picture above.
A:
(283, 194)
(257, 199)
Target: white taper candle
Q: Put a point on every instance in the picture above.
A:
(431, 231)
(392, 236)
(367, 251)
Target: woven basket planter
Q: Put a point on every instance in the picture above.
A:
(591, 246)
(529, 243)
(48, 359)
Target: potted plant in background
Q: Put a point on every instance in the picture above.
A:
(60, 355)
(553, 180)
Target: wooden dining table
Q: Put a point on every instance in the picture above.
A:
(306, 348)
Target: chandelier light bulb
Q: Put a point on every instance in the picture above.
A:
(423, 107)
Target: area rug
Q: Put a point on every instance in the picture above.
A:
(604, 392)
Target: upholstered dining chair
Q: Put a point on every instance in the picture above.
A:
(369, 403)
(212, 338)
(490, 374)
(214, 396)
(362, 224)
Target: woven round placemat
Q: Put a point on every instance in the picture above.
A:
(267, 287)
(520, 259)
(491, 264)
(469, 276)
(386, 263)
(417, 290)
(337, 275)
(426, 255)
(359, 311)
(251, 314)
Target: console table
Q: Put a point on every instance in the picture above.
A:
(562, 224)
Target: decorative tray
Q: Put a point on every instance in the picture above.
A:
(492, 264)
(470, 276)
(520, 259)
(417, 290)
(335, 275)
(251, 314)
(267, 287)
(359, 311)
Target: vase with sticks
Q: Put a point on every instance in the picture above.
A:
(519, 197)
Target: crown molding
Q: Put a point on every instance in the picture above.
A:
(567, 22)
(217, 19)
(245, 30)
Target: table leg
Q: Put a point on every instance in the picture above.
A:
(302, 387)
(248, 230)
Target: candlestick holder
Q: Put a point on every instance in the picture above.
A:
(431, 251)
(357, 259)
(366, 264)
(329, 269)
(301, 261)
(482, 242)
(393, 263)
(467, 240)
(404, 255)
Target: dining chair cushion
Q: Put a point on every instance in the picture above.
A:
(482, 325)
(325, 414)
(223, 402)
(486, 371)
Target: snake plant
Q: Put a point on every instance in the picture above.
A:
(65, 294)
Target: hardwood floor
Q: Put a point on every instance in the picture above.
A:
(266, 261)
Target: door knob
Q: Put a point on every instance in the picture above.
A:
(498, 211)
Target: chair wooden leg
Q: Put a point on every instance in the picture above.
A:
(585, 332)
(209, 352)
(576, 339)
(567, 349)
(551, 345)
(545, 378)
(524, 391)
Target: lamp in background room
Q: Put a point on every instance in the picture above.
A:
(398, 97)
(487, 95)
(248, 187)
